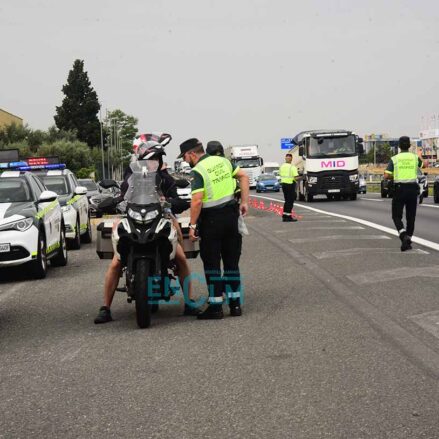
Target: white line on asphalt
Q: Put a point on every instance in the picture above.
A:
(394, 274)
(322, 221)
(337, 238)
(421, 241)
(323, 228)
(428, 321)
(370, 199)
(364, 251)
(429, 205)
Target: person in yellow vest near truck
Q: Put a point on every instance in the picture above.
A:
(288, 176)
(403, 169)
(214, 216)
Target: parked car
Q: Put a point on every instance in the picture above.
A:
(436, 190)
(91, 185)
(267, 182)
(32, 229)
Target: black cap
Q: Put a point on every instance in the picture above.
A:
(188, 145)
(404, 142)
(215, 148)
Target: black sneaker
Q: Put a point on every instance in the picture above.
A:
(287, 219)
(104, 315)
(190, 309)
(212, 312)
(406, 243)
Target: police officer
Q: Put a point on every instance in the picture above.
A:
(288, 174)
(403, 169)
(214, 217)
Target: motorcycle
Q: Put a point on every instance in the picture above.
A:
(146, 241)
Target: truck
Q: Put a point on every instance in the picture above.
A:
(328, 162)
(270, 168)
(248, 159)
(182, 167)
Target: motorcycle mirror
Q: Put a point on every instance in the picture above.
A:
(165, 141)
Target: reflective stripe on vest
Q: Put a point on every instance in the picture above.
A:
(286, 173)
(219, 185)
(405, 167)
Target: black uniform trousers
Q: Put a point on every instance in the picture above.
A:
(289, 191)
(221, 240)
(405, 195)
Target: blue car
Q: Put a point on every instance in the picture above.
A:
(267, 182)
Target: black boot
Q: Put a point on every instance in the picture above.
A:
(287, 218)
(406, 242)
(212, 312)
(235, 308)
(190, 309)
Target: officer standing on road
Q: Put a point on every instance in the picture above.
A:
(214, 215)
(288, 174)
(403, 169)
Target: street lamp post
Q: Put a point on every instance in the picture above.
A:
(102, 145)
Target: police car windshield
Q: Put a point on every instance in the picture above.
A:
(14, 190)
(89, 184)
(331, 146)
(250, 163)
(57, 184)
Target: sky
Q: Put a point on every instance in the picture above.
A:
(241, 71)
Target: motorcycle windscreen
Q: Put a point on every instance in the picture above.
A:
(142, 188)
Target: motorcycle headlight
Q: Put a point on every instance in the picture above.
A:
(312, 180)
(353, 177)
(146, 217)
(66, 209)
(21, 225)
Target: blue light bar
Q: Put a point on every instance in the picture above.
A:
(16, 164)
(44, 167)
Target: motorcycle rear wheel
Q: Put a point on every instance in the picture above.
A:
(143, 307)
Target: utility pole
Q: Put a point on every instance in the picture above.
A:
(102, 145)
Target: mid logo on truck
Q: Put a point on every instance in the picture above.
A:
(333, 163)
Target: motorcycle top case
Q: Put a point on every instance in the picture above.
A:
(104, 244)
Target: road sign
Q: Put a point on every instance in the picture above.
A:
(286, 143)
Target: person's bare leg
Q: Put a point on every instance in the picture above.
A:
(184, 273)
(111, 281)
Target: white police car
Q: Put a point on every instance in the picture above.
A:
(73, 200)
(31, 224)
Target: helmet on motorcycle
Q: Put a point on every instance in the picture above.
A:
(150, 150)
(215, 148)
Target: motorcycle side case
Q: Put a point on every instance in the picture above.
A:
(191, 249)
(104, 244)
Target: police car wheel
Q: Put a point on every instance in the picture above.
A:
(87, 236)
(39, 266)
(60, 260)
(75, 243)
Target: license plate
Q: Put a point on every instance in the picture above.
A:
(333, 190)
(269, 187)
(4, 248)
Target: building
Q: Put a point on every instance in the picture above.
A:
(7, 118)
(371, 141)
(429, 136)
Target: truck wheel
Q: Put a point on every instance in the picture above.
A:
(353, 197)
(383, 194)
(143, 307)
(309, 198)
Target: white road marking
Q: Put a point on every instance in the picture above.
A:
(337, 238)
(428, 205)
(415, 239)
(323, 228)
(428, 321)
(394, 274)
(361, 251)
(371, 199)
(321, 221)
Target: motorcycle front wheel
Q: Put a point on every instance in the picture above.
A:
(143, 307)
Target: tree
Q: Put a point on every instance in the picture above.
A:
(80, 106)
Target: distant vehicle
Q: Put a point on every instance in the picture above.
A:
(108, 192)
(270, 168)
(91, 185)
(328, 161)
(31, 224)
(248, 159)
(362, 187)
(267, 182)
(436, 190)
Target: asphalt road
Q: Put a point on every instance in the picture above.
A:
(338, 340)
(372, 207)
